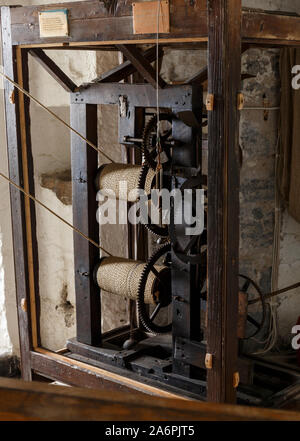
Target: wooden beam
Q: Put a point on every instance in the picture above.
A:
(49, 402)
(142, 65)
(22, 210)
(188, 24)
(78, 373)
(29, 186)
(270, 27)
(144, 96)
(89, 21)
(84, 163)
(52, 68)
(126, 69)
(224, 82)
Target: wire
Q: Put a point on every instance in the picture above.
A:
(159, 176)
(55, 116)
(157, 74)
(54, 214)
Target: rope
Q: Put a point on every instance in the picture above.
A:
(159, 175)
(54, 214)
(275, 293)
(157, 70)
(55, 116)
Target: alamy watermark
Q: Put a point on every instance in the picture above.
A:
(161, 207)
(296, 77)
(296, 339)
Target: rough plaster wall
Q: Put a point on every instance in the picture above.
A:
(289, 253)
(56, 273)
(5, 342)
(9, 339)
(289, 271)
(258, 139)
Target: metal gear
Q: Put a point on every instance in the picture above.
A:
(245, 284)
(145, 320)
(149, 138)
(160, 231)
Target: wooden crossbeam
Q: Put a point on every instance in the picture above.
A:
(188, 24)
(127, 68)
(53, 69)
(142, 65)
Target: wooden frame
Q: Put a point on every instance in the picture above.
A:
(91, 27)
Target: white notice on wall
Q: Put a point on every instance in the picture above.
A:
(54, 23)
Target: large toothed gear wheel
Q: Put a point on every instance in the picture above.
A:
(150, 138)
(160, 231)
(251, 290)
(165, 296)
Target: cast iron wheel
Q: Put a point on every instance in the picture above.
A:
(161, 231)
(245, 284)
(147, 319)
(150, 139)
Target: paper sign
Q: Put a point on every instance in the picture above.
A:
(54, 23)
(151, 17)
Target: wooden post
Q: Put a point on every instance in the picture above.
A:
(224, 78)
(86, 255)
(22, 209)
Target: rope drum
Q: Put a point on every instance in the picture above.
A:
(123, 180)
(122, 277)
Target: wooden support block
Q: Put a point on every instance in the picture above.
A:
(210, 102)
(145, 17)
(208, 361)
(241, 101)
